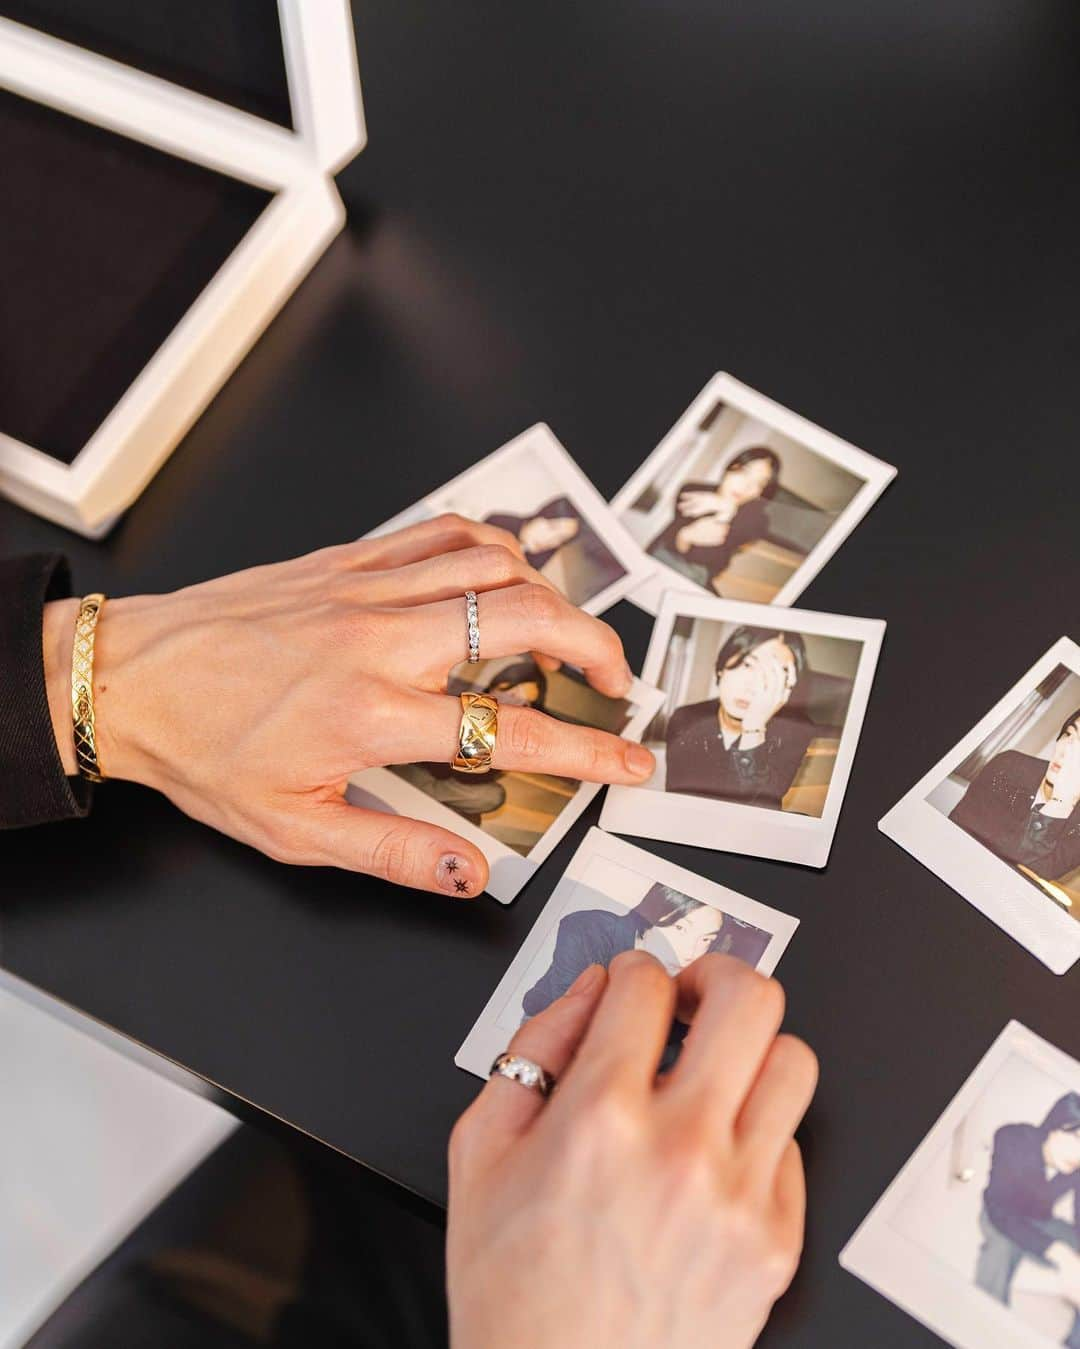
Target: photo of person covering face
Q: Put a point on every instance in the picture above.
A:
(513, 807)
(741, 493)
(989, 1207)
(1018, 793)
(671, 926)
(769, 731)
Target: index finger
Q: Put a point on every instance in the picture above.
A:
(734, 1015)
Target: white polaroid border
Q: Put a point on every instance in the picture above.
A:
(540, 442)
(487, 1038)
(1016, 905)
(194, 361)
(730, 826)
(876, 475)
(510, 871)
(910, 1276)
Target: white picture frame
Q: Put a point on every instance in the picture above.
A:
(536, 458)
(305, 213)
(985, 880)
(510, 871)
(772, 417)
(611, 870)
(890, 1250)
(731, 826)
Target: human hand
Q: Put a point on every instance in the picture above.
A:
(250, 700)
(697, 501)
(628, 1210)
(1064, 775)
(771, 692)
(709, 531)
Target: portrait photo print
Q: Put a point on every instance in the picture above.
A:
(515, 818)
(754, 743)
(615, 897)
(999, 817)
(978, 1237)
(532, 488)
(745, 499)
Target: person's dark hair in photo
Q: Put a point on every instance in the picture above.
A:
(1025, 809)
(668, 924)
(748, 742)
(712, 521)
(1033, 1166)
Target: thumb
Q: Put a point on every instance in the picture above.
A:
(403, 851)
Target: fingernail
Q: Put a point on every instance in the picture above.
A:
(586, 980)
(638, 760)
(456, 875)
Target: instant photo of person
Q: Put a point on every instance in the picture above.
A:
(999, 817)
(515, 817)
(615, 897)
(744, 499)
(534, 490)
(988, 1210)
(760, 711)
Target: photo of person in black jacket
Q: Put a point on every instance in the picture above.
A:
(1031, 1208)
(671, 926)
(554, 527)
(713, 521)
(748, 742)
(1026, 809)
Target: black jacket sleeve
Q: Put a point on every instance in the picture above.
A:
(33, 788)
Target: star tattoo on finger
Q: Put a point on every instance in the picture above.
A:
(462, 887)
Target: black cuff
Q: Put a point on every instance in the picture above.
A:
(33, 788)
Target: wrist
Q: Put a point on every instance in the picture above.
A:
(57, 640)
(124, 689)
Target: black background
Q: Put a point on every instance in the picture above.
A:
(869, 211)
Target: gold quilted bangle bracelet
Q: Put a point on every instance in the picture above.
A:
(82, 688)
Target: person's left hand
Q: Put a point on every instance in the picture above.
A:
(250, 700)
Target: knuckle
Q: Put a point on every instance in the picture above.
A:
(779, 1261)
(538, 605)
(496, 562)
(528, 734)
(391, 853)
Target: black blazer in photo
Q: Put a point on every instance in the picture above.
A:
(699, 763)
(997, 810)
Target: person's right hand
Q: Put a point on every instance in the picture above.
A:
(629, 1210)
(251, 699)
(1065, 787)
(696, 501)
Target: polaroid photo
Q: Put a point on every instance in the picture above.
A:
(566, 529)
(998, 818)
(614, 897)
(744, 499)
(754, 743)
(514, 818)
(978, 1237)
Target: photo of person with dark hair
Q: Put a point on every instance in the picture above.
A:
(712, 522)
(748, 742)
(671, 926)
(1031, 1208)
(744, 499)
(1026, 809)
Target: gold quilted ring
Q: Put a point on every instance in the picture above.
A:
(476, 735)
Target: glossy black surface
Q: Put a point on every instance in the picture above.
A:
(579, 213)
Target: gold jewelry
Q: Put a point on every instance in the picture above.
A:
(82, 688)
(476, 735)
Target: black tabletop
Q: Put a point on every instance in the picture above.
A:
(868, 210)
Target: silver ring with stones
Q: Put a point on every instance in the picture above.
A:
(523, 1071)
(472, 617)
